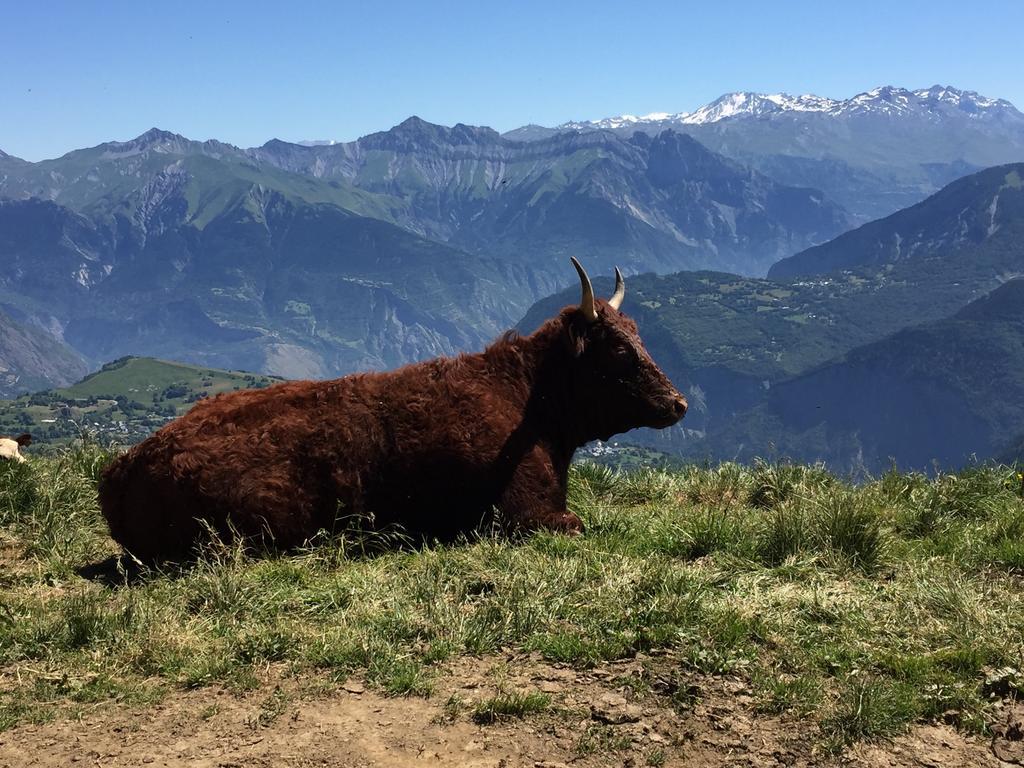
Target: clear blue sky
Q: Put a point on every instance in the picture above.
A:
(75, 74)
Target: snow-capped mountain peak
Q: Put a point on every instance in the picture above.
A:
(745, 104)
(882, 101)
(967, 101)
(621, 121)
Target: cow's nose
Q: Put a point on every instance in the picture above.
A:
(679, 406)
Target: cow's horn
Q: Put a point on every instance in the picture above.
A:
(620, 291)
(587, 301)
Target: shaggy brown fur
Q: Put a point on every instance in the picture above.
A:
(433, 446)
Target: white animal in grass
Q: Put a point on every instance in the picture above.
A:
(10, 447)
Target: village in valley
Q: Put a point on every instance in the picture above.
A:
(121, 404)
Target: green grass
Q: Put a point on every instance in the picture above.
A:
(507, 705)
(123, 402)
(864, 608)
(142, 377)
(602, 739)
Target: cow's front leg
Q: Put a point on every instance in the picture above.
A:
(535, 497)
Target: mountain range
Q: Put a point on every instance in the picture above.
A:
(874, 153)
(31, 359)
(751, 353)
(938, 101)
(945, 392)
(317, 259)
(985, 209)
(197, 252)
(644, 203)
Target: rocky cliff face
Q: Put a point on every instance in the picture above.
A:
(983, 211)
(414, 242)
(213, 260)
(658, 204)
(31, 359)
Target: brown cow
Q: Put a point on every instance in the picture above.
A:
(434, 446)
(10, 447)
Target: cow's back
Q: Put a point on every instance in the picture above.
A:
(291, 458)
(241, 462)
(449, 425)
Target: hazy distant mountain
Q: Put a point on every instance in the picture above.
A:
(663, 203)
(940, 102)
(984, 210)
(5, 158)
(942, 391)
(741, 346)
(874, 153)
(198, 252)
(944, 388)
(319, 260)
(31, 359)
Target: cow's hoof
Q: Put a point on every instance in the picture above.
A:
(569, 524)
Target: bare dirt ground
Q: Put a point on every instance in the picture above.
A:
(617, 714)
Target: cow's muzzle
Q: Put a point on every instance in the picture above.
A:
(671, 412)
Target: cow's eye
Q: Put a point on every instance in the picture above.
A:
(624, 356)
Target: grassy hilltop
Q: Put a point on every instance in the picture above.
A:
(123, 402)
(860, 610)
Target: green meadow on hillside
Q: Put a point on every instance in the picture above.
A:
(123, 402)
(861, 609)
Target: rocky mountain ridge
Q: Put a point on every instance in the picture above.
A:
(985, 208)
(315, 261)
(874, 153)
(947, 391)
(938, 100)
(912, 352)
(662, 203)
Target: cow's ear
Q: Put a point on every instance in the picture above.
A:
(23, 440)
(576, 335)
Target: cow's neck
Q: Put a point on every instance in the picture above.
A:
(541, 365)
